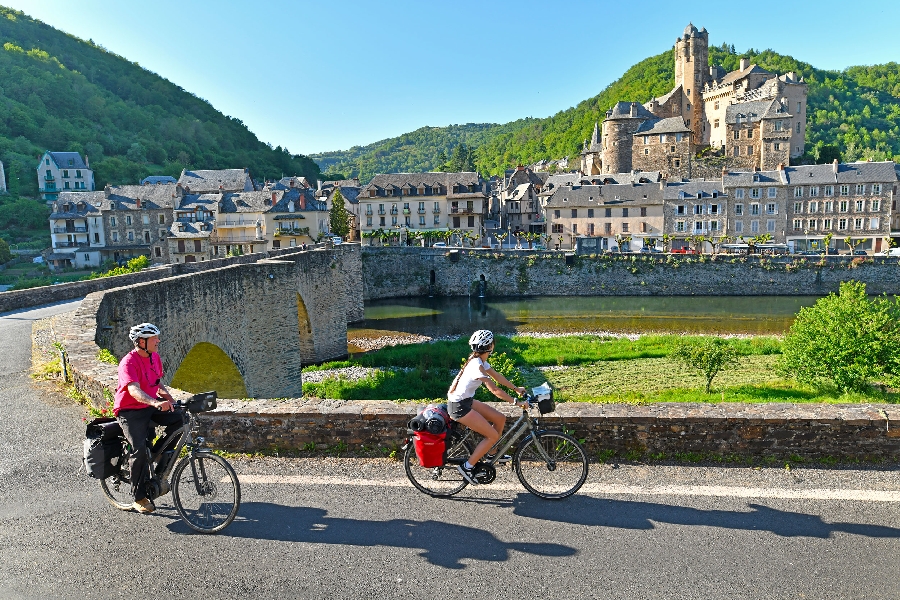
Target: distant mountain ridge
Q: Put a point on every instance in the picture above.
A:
(857, 110)
(60, 93)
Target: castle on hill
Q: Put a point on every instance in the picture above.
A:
(745, 120)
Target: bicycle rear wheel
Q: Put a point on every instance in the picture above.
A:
(562, 476)
(439, 482)
(206, 492)
(117, 487)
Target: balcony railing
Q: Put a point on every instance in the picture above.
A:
(236, 223)
(421, 211)
(70, 230)
(69, 244)
(49, 178)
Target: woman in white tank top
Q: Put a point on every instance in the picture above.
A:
(475, 415)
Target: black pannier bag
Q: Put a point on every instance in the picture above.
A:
(102, 447)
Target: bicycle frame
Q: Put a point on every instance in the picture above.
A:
(524, 425)
(176, 441)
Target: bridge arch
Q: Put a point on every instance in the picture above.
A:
(206, 367)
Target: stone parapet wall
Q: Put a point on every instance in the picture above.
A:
(862, 431)
(407, 271)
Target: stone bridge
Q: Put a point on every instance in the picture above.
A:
(266, 319)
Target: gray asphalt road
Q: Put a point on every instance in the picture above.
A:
(348, 528)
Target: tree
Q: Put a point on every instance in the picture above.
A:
(709, 356)
(844, 339)
(338, 217)
(5, 254)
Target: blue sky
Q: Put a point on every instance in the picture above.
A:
(317, 76)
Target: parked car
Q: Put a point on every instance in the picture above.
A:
(890, 252)
(860, 253)
(439, 245)
(684, 251)
(336, 240)
(650, 250)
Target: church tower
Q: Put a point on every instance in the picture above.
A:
(692, 73)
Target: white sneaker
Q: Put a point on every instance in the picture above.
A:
(467, 474)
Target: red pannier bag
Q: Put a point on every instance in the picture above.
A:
(430, 448)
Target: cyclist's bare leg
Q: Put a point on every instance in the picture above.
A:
(477, 420)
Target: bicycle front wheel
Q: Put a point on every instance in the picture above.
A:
(206, 492)
(562, 475)
(438, 482)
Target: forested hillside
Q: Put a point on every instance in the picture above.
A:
(857, 110)
(61, 93)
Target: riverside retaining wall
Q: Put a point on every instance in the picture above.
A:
(410, 271)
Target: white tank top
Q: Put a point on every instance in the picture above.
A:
(470, 380)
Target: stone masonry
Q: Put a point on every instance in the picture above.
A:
(400, 272)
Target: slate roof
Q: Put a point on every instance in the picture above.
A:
(209, 202)
(350, 194)
(520, 192)
(157, 179)
(622, 110)
(92, 203)
(574, 179)
(62, 160)
(191, 230)
(604, 196)
(154, 197)
(666, 97)
(670, 125)
(520, 176)
(751, 179)
(396, 181)
(246, 202)
(738, 74)
(298, 181)
(228, 180)
(678, 190)
(755, 111)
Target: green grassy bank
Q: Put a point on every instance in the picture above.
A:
(585, 369)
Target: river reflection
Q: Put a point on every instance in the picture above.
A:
(669, 314)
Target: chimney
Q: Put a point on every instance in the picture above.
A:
(781, 166)
(745, 62)
(724, 171)
(520, 167)
(87, 163)
(302, 201)
(634, 109)
(291, 182)
(834, 166)
(138, 202)
(318, 185)
(179, 190)
(274, 198)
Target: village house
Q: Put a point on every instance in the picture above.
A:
(137, 219)
(63, 172)
(349, 189)
(188, 237)
(694, 209)
(76, 231)
(625, 216)
(422, 202)
(800, 206)
(295, 217)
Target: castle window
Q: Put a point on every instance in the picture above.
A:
(798, 127)
(737, 134)
(716, 124)
(662, 138)
(749, 150)
(749, 134)
(779, 125)
(672, 149)
(799, 105)
(737, 150)
(777, 147)
(716, 105)
(646, 139)
(676, 162)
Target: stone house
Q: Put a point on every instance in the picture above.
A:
(694, 208)
(424, 202)
(518, 196)
(800, 206)
(63, 172)
(626, 216)
(137, 219)
(349, 189)
(296, 217)
(188, 238)
(76, 231)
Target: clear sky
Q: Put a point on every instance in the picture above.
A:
(327, 75)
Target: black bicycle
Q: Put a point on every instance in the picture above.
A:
(205, 488)
(550, 464)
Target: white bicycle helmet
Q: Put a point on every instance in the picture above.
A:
(144, 330)
(481, 340)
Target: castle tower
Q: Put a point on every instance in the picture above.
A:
(692, 73)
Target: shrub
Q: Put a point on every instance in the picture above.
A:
(709, 356)
(846, 340)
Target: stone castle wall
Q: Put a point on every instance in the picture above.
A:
(400, 272)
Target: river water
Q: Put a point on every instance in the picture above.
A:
(619, 314)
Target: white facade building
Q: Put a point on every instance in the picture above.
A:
(63, 172)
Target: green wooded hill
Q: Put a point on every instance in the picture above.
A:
(857, 110)
(60, 93)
